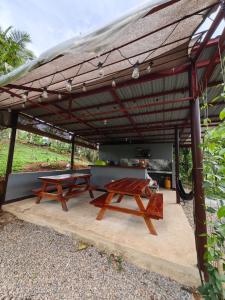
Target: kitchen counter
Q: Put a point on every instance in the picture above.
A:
(159, 172)
(101, 175)
(118, 167)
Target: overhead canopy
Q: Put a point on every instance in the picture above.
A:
(161, 34)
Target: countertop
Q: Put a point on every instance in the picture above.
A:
(119, 167)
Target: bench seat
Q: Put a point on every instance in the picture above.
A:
(99, 201)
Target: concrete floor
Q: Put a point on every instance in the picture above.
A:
(171, 252)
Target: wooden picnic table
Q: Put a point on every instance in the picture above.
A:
(135, 188)
(58, 182)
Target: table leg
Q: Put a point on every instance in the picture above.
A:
(148, 222)
(89, 187)
(148, 192)
(61, 198)
(103, 209)
(71, 188)
(39, 197)
(119, 198)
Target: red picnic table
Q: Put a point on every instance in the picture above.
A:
(58, 182)
(136, 188)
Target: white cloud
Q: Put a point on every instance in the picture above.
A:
(50, 22)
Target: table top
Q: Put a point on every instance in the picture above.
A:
(64, 177)
(128, 186)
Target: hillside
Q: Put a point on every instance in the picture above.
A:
(28, 157)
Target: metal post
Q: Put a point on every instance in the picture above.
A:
(72, 153)
(177, 163)
(199, 200)
(14, 119)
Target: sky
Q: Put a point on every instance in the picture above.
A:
(50, 22)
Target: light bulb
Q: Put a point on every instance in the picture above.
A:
(44, 94)
(9, 110)
(136, 74)
(113, 83)
(59, 96)
(40, 99)
(149, 67)
(101, 70)
(23, 105)
(24, 96)
(69, 85)
(105, 122)
(84, 89)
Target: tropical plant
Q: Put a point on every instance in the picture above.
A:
(186, 166)
(214, 185)
(13, 49)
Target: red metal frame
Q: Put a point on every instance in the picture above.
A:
(208, 35)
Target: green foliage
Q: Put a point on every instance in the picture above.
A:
(214, 171)
(31, 149)
(186, 166)
(13, 51)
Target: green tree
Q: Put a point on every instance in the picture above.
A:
(13, 49)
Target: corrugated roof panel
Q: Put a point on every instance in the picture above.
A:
(76, 126)
(161, 116)
(217, 74)
(113, 122)
(95, 99)
(207, 53)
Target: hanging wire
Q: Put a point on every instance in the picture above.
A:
(102, 63)
(153, 51)
(120, 52)
(175, 27)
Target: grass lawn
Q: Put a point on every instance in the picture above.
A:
(26, 154)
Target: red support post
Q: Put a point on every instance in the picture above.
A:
(197, 159)
(72, 153)
(14, 119)
(177, 168)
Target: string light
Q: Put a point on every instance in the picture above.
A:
(69, 85)
(105, 122)
(101, 70)
(113, 83)
(9, 110)
(23, 105)
(59, 96)
(25, 96)
(136, 73)
(149, 67)
(44, 94)
(84, 88)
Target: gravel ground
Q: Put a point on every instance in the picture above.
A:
(188, 210)
(39, 263)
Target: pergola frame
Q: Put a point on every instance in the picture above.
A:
(177, 126)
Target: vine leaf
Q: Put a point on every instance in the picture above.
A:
(221, 212)
(222, 114)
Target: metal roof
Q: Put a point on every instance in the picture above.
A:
(144, 109)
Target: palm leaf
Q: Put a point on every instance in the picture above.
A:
(20, 37)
